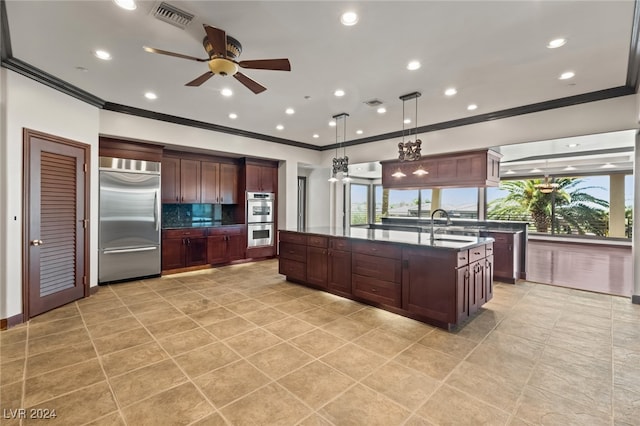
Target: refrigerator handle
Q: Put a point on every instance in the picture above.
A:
(156, 210)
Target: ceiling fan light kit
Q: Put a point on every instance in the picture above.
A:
(223, 51)
(547, 187)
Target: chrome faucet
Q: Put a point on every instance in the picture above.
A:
(433, 232)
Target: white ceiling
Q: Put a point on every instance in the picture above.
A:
(494, 53)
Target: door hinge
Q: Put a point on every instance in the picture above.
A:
(85, 168)
(84, 280)
(84, 223)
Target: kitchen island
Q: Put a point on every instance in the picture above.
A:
(441, 281)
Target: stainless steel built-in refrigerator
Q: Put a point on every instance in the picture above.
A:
(129, 234)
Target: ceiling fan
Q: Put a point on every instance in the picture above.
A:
(223, 50)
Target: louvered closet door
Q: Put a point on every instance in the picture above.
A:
(56, 234)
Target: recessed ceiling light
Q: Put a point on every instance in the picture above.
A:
(150, 95)
(316, 136)
(536, 170)
(359, 132)
(569, 168)
(233, 116)
(289, 111)
(472, 107)
(102, 54)
(339, 93)
(608, 166)
(567, 75)
(332, 123)
(555, 43)
(126, 4)
(226, 92)
(280, 127)
(381, 110)
(413, 65)
(509, 172)
(450, 91)
(407, 120)
(572, 145)
(349, 18)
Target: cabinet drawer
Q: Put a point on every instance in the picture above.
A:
(293, 269)
(187, 232)
(376, 290)
(340, 244)
(462, 258)
(476, 253)
(291, 237)
(292, 251)
(377, 249)
(488, 249)
(376, 267)
(226, 230)
(317, 241)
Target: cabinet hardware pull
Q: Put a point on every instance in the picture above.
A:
(177, 199)
(476, 252)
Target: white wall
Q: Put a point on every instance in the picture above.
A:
(28, 104)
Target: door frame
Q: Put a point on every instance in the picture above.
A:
(27, 135)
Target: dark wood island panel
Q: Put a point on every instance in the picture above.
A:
(440, 283)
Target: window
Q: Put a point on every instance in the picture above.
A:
(460, 202)
(359, 204)
(579, 205)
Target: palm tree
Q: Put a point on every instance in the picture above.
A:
(573, 206)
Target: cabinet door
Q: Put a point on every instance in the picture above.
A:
(236, 245)
(209, 182)
(170, 174)
(503, 252)
(216, 249)
(253, 175)
(196, 253)
(488, 278)
(339, 271)
(228, 184)
(172, 253)
(317, 266)
(476, 286)
(462, 296)
(189, 181)
(268, 179)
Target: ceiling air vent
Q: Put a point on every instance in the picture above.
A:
(374, 102)
(171, 14)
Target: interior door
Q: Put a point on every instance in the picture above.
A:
(55, 247)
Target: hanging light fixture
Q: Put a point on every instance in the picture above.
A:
(340, 164)
(547, 187)
(410, 151)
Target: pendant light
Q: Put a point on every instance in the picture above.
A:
(546, 187)
(340, 164)
(410, 151)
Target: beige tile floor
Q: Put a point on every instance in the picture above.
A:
(240, 345)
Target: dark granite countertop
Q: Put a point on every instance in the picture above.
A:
(423, 239)
(200, 225)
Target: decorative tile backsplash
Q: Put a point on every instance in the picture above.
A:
(177, 215)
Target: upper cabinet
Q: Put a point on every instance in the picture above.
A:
(219, 183)
(189, 180)
(455, 170)
(261, 178)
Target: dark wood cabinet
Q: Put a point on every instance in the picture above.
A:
(170, 171)
(180, 180)
(219, 183)
(462, 293)
(317, 263)
(507, 255)
(182, 248)
(261, 178)
(453, 170)
(339, 266)
(376, 273)
(488, 277)
(225, 244)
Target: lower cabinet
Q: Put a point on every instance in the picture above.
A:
(339, 271)
(317, 261)
(183, 248)
(225, 244)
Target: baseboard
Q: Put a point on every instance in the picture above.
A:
(6, 323)
(93, 290)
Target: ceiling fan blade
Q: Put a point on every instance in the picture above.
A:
(252, 85)
(177, 55)
(267, 64)
(218, 40)
(198, 81)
